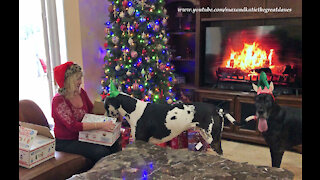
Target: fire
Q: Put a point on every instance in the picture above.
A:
(250, 58)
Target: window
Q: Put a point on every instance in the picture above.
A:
(40, 50)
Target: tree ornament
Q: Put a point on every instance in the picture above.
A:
(125, 3)
(144, 52)
(175, 81)
(121, 15)
(136, 26)
(129, 89)
(107, 30)
(162, 66)
(128, 73)
(143, 35)
(169, 101)
(165, 11)
(130, 41)
(134, 54)
(165, 40)
(135, 86)
(147, 59)
(131, 11)
(128, 27)
(164, 22)
(161, 94)
(143, 72)
(115, 39)
(142, 4)
(114, 11)
(159, 47)
(156, 28)
(123, 27)
(110, 9)
(125, 54)
(152, 8)
(152, 24)
(117, 68)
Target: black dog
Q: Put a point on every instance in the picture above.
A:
(157, 123)
(280, 129)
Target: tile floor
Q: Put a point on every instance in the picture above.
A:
(260, 155)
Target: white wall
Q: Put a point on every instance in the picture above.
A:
(85, 38)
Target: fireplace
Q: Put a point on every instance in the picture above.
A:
(237, 51)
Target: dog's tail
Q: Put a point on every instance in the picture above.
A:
(226, 115)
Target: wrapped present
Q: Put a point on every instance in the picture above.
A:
(174, 143)
(125, 135)
(183, 139)
(196, 142)
(179, 142)
(162, 144)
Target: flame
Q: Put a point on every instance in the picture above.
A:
(250, 57)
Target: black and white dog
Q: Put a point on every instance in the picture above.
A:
(158, 123)
(280, 129)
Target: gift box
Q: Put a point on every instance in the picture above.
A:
(162, 144)
(174, 143)
(36, 144)
(196, 142)
(179, 142)
(125, 136)
(101, 137)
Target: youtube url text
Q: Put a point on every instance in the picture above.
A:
(236, 10)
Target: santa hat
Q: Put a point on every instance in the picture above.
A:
(62, 72)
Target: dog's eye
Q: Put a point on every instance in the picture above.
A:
(259, 98)
(269, 98)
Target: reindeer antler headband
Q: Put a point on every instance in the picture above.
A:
(263, 85)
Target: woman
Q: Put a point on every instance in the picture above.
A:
(69, 106)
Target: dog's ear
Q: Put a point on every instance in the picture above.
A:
(255, 87)
(271, 87)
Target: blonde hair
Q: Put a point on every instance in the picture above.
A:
(70, 84)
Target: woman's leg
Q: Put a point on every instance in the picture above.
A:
(92, 151)
(116, 147)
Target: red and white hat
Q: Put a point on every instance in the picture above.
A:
(62, 72)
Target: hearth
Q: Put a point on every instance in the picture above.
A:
(236, 52)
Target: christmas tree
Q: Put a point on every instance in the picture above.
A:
(137, 53)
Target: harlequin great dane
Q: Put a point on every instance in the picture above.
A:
(158, 123)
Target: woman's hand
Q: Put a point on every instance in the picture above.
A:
(108, 126)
